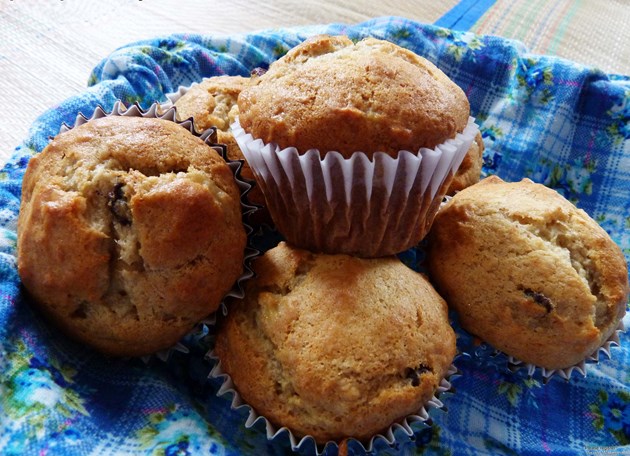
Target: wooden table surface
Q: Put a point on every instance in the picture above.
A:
(49, 47)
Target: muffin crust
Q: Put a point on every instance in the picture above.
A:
(129, 232)
(528, 272)
(335, 346)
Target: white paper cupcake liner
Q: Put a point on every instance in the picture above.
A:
(208, 136)
(515, 365)
(356, 205)
(580, 368)
(389, 437)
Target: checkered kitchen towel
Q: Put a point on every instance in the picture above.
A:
(558, 123)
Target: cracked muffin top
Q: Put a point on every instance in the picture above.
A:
(335, 346)
(528, 272)
(331, 94)
(129, 233)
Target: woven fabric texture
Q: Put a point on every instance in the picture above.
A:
(558, 123)
(582, 31)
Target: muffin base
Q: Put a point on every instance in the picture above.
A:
(388, 438)
(500, 360)
(356, 206)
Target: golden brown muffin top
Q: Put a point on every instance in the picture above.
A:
(330, 94)
(212, 102)
(130, 231)
(333, 345)
(528, 272)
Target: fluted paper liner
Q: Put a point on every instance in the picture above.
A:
(169, 113)
(514, 364)
(299, 444)
(565, 373)
(354, 205)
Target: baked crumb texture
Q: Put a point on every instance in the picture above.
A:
(335, 346)
(213, 103)
(528, 272)
(130, 231)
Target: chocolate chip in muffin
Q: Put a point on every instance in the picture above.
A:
(117, 203)
(414, 373)
(539, 298)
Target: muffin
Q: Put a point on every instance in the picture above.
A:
(212, 103)
(528, 272)
(130, 231)
(353, 145)
(335, 346)
(469, 171)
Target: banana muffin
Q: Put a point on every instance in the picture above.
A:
(335, 346)
(130, 232)
(528, 272)
(212, 103)
(353, 144)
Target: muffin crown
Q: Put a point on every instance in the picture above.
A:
(373, 96)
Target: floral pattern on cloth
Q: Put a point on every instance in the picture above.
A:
(612, 413)
(558, 123)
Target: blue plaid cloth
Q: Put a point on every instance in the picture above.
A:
(555, 122)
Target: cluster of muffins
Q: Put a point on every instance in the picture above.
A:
(523, 268)
(131, 231)
(353, 146)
